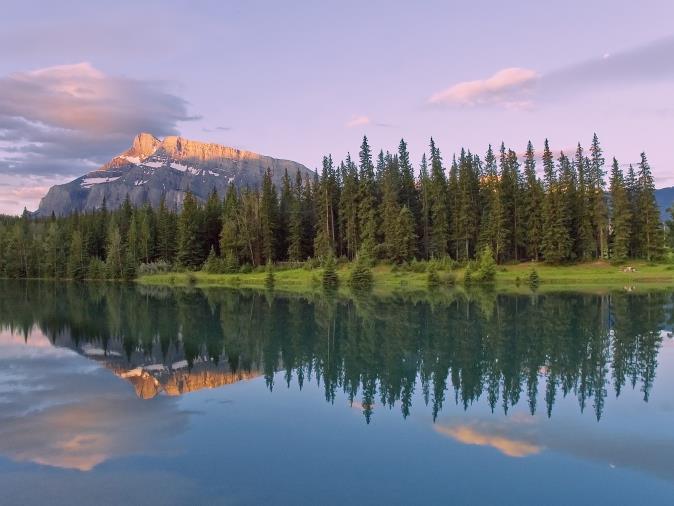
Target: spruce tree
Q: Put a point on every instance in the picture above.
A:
(651, 240)
(621, 215)
(367, 202)
(439, 217)
(190, 251)
(533, 202)
(76, 261)
(598, 204)
(268, 217)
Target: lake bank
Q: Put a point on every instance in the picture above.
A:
(389, 279)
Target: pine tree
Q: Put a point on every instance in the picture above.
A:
(425, 208)
(390, 208)
(212, 222)
(268, 218)
(621, 222)
(190, 250)
(651, 239)
(295, 221)
(324, 243)
(166, 233)
(556, 244)
(598, 202)
(349, 207)
(76, 264)
(533, 202)
(113, 258)
(488, 200)
(367, 202)
(585, 241)
(439, 218)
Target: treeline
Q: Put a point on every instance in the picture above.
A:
(482, 347)
(379, 208)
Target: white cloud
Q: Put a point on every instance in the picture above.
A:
(508, 87)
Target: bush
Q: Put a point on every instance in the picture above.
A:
(96, 269)
(432, 278)
(311, 264)
(534, 279)
(213, 264)
(246, 268)
(230, 264)
(191, 279)
(418, 267)
(158, 267)
(361, 274)
(486, 266)
(330, 279)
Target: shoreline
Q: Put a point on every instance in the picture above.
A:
(386, 279)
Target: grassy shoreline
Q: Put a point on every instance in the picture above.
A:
(387, 279)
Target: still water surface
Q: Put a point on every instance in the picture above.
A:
(112, 394)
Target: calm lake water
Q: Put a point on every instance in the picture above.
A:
(112, 394)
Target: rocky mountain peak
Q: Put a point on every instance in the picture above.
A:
(144, 145)
(153, 170)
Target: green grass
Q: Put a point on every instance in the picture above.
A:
(508, 278)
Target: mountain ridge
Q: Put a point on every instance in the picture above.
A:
(153, 168)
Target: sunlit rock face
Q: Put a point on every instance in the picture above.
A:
(155, 372)
(154, 168)
(152, 381)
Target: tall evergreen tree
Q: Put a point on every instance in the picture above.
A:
(621, 222)
(439, 216)
(533, 206)
(190, 248)
(367, 202)
(651, 238)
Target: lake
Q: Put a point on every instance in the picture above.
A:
(114, 394)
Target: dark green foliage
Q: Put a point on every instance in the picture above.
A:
(329, 278)
(361, 274)
(432, 278)
(383, 212)
(534, 279)
(486, 266)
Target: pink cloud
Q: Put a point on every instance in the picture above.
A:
(508, 87)
(358, 121)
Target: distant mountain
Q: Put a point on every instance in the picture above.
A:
(153, 168)
(665, 198)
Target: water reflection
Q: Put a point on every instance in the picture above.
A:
(487, 347)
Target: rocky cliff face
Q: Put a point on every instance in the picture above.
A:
(153, 168)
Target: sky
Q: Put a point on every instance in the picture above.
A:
(298, 80)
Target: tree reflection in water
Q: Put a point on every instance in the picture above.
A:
(480, 345)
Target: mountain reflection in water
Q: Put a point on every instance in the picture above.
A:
(481, 346)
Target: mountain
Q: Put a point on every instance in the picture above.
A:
(665, 199)
(169, 167)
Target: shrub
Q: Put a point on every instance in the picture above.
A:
(212, 265)
(158, 267)
(96, 269)
(246, 268)
(534, 279)
(361, 274)
(432, 278)
(486, 266)
(330, 279)
(191, 279)
(417, 266)
(230, 264)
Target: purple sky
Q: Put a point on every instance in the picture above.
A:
(301, 79)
